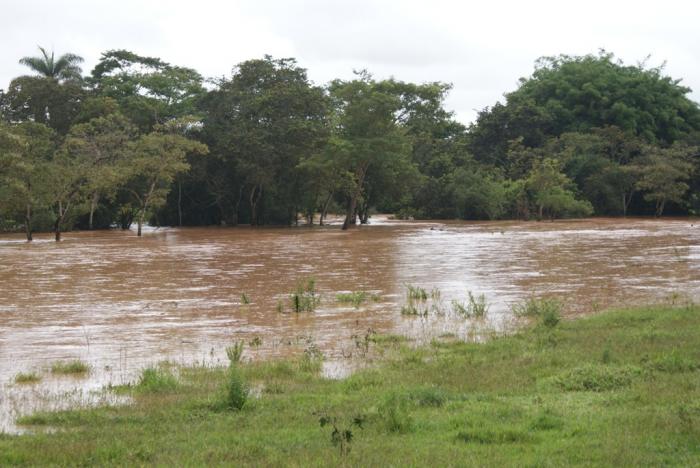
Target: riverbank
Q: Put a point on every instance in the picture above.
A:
(618, 388)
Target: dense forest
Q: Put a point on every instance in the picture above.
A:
(140, 140)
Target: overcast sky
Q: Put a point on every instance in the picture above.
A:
(482, 47)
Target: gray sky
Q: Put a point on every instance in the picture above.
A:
(482, 47)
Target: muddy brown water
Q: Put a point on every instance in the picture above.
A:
(121, 303)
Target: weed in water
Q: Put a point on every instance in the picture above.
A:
(235, 352)
(156, 380)
(304, 298)
(70, 367)
(356, 298)
(546, 310)
(312, 359)
(245, 299)
(412, 309)
(416, 293)
(27, 378)
(255, 342)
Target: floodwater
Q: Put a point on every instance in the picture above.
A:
(121, 303)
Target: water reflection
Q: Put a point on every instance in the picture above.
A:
(121, 303)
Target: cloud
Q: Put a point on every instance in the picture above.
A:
(480, 47)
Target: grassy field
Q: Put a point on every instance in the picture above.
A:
(618, 389)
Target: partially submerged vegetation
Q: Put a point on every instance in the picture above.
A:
(620, 388)
(356, 298)
(27, 378)
(75, 367)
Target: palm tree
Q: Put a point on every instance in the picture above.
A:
(66, 67)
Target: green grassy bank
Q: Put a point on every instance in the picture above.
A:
(620, 388)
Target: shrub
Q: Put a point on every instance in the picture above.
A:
(673, 362)
(596, 378)
(546, 310)
(235, 352)
(236, 389)
(156, 380)
(394, 412)
(429, 396)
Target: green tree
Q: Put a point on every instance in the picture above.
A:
(102, 144)
(261, 123)
(148, 90)
(581, 93)
(664, 173)
(478, 193)
(551, 192)
(25, 151)
(65, 67)
(367, 135)
(155, 160)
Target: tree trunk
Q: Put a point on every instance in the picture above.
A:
(324, 210)
(28, 222)
(237, 207)
(660, 208)
(350, 213)
(93, 207)
(254, 198)
(179, 203)
(140, 223)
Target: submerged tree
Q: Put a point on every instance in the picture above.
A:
(664, 173)
(551, 192)
(155, 160)
(25, 153)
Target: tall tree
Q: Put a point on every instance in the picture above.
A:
(664, 174)
(155, 161)
(25, 151)
(367, 134)
(260, 124)
(65, 67)
(102, 144)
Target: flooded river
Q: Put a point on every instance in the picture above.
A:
(121, 303)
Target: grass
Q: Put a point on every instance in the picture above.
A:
(621, 388)
(75, 367)
(27, 378)
(157, 380)
(356, 298)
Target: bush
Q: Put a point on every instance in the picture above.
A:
(394, 412)
(596, 378)
(156, 380)
(236, 389)
(546, 310)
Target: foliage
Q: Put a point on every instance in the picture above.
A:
(70, 367)
(156, 380)
(304, 298)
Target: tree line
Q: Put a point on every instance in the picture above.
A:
(140, 140)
